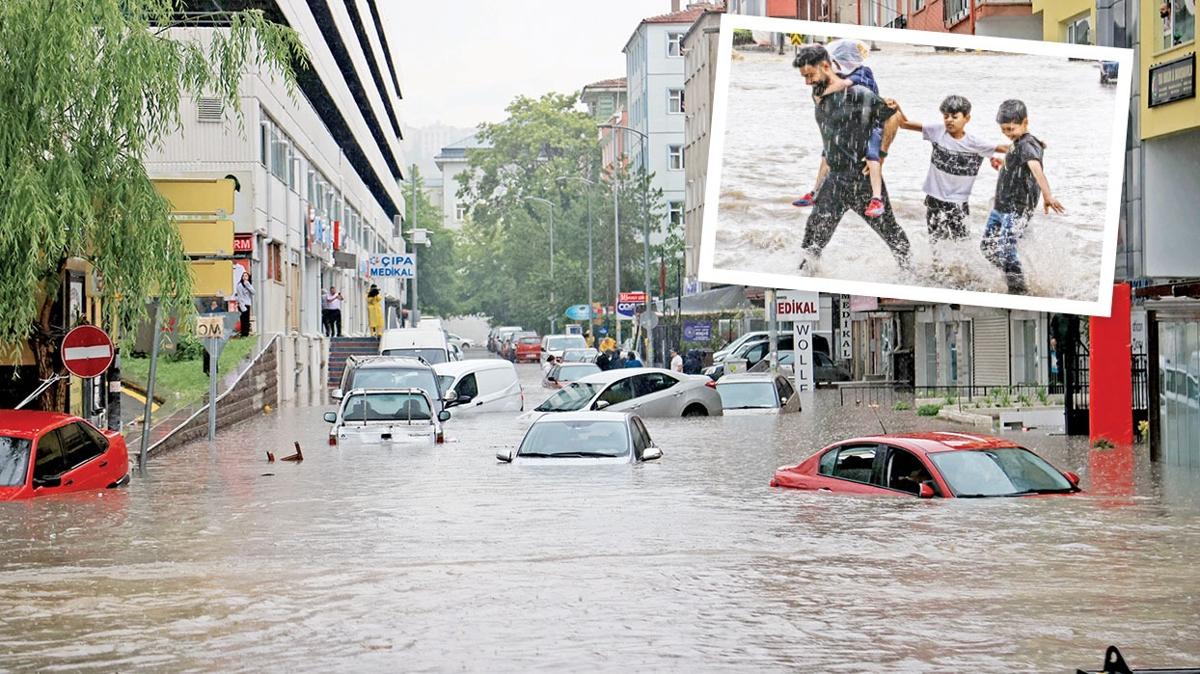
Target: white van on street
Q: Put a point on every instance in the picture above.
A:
(554, 345)
(482, 385)
(429, 345)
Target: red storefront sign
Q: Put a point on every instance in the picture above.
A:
(243, 243)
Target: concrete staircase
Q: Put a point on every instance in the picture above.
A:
(341, 348)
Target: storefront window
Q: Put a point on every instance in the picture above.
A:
(1179, 391)
(1178, 22)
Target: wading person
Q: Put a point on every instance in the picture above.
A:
(375, 311)
(953, 166)
(1020, 184)
(846, 115)
(244, 294)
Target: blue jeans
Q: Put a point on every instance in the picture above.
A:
(875, 144)
(999, 246)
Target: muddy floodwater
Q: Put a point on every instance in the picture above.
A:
(441, 559)
(773, 150)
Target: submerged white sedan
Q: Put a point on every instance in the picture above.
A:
(399, 416)
(757, 393)
(645, 391)
(584, 438)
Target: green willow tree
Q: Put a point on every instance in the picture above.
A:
(86, 88)
(505, 243)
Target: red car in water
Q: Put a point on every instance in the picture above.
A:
(45, 453)
(928, 465)
(528, 348)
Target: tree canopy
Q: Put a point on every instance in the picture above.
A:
(87, 88)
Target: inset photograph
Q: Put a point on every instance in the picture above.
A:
(922, 166)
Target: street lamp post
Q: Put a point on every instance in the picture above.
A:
(553, 302)
(589, 237)
(645, 142)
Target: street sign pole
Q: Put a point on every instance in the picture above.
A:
(214, 353)
(150, 389)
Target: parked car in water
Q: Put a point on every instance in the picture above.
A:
(597, 438)
(648, 392)
(377, 372)
(565, 373)
(481, 385)
(825, 371)
(928, 465)
(386, 417)
(429, 345)
(463, 343)
(528, 349)
(555, 345)
(757, 393)
(723, 353)
(587, 355)
(499, 335)
(47, 453)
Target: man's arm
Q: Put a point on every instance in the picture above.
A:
(1048, 202)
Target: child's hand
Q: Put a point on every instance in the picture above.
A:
(1049, 202)
(996, 163)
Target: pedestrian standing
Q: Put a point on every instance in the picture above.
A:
(615, 360)
(602, 361)
(326, 328)
(632, 360)
(334, 298)
(244, 294)
(676, 361)
(375, 311)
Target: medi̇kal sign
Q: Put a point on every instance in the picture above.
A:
(794, 305)
(394, 266)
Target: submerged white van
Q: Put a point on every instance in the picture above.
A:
(429, 345)
(482, 385)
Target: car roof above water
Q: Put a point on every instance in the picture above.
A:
(937, 441)
(456, 367)
(28, 423)
(747, 378)
(379, 362)
(583, 416)
(609, 376)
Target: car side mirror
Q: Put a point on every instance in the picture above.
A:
(450, 396)
(444, 416)
(926, 490)
(331, 417)
(600, 404)
(1073, 478)
(505, 456)
(651, 453)
(337, 394)
(551, 379)
(47, 481)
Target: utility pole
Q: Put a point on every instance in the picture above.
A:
(414, 316)
(617, 263)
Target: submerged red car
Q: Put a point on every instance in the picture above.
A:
(928, 465)
(45, 453)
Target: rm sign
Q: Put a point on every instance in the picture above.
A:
(210, 327)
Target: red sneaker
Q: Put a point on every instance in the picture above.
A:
(806, 200)
(875, 208)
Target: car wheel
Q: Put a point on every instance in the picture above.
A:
(695, 410)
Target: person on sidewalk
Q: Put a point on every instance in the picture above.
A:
(633, 361)
(244, 294)
(325, 322)
(676, 361)
(334, 299)
(375, 311)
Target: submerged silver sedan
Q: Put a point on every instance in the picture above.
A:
(584, 438)
(757, 393)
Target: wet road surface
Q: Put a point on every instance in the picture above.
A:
(442, 559)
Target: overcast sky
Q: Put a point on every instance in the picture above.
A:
(461, 62)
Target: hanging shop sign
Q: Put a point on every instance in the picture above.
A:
(1173, 81)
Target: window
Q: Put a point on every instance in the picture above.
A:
(264, 142)
(954, 11)
(641, 436)
(1179, 24)
(467, 387)
(674, 44)
(645, 384)
(49, 462)
(460, 212)
(675, 213)
(855, 463)
(78, 447)
(1079, 30)
(828, 461)
(619, 392)
(916, 6)
(905, 472)
(822, 360)
(675, 101)
(675, 157)
(14, 461)
(275, 262)
(784, 388)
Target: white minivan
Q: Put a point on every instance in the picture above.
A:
(482, 385)
(555, 345)
(429, 345)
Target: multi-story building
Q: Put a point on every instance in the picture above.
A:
(1069, 21)
(700, 68)
(654, 73)
(997, 18)
(318, 176)
(604, 98)
(452, 161)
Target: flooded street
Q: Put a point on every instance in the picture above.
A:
(441, 559)
(773, 150)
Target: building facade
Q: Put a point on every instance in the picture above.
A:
(700, 60)
(1069, 21)
(318, 178)
(605, 98)
(452, 161)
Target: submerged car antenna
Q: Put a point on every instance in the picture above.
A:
(874, 407)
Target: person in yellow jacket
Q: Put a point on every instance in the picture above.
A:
(375, 311)
(607, 344)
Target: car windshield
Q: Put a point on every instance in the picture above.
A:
(747, 395)
(579, 355)
(576, 371)
(998, 472)
(569, 398)
(571, 439)
(386, 407)
(14, 461)
(396, 377)
(563, 343)
(431, 355)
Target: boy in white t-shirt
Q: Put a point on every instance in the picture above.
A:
(953, 167)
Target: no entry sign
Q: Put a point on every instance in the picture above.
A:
(87, 351)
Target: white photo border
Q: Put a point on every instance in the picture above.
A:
(712, 187)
